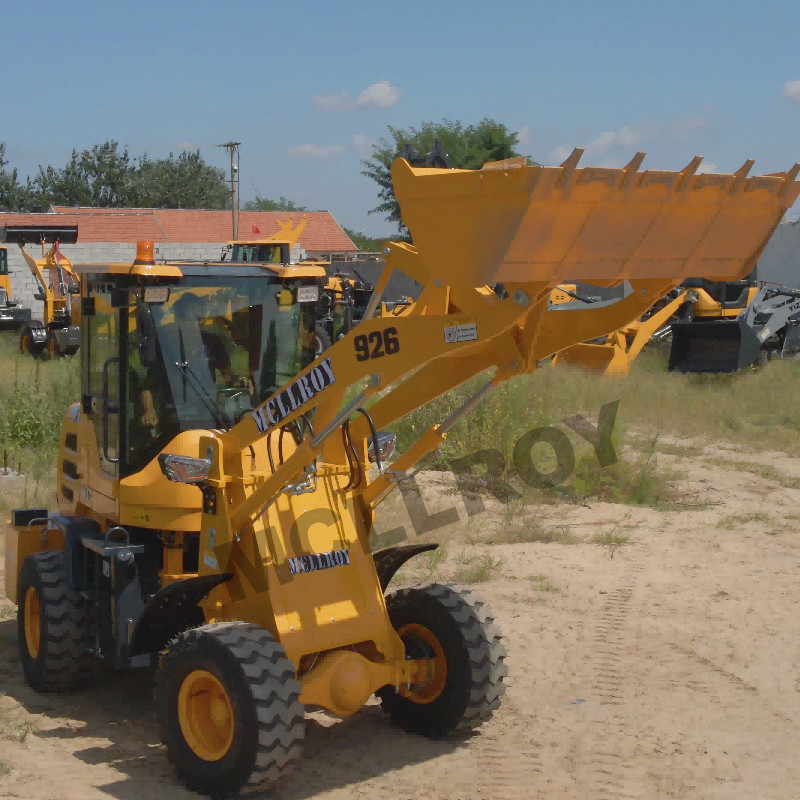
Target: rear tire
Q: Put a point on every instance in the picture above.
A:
(229, 708)
(51, 626)
(456, 631)
(26, 345)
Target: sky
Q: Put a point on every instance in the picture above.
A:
(309, 87)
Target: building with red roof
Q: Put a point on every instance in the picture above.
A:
(110, 235)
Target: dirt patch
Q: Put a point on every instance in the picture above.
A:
(651, 654)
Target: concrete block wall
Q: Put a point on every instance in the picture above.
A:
(23, 285)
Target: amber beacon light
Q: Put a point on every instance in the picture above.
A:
(144, 253)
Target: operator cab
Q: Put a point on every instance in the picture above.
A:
(260, 252)
(3, 261)
(186, 347)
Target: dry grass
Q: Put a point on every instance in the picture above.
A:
(541, 583)
(531, 532)
(13, 729)
(733, 521)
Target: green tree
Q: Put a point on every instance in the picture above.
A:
(12, 194)
(363, 242)
(468, 147)
(98, 178)
(182, 182)
(265, 204)
(107, 177)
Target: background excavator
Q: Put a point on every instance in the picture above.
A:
(58, 289)
(227, 535)
(11, 313)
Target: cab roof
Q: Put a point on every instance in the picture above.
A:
(179, 269)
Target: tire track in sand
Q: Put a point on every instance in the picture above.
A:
(607, 767)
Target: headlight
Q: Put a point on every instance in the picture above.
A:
(184, 469)
(386, 443)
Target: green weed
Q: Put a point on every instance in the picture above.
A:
(611, 539)
(542, 584)
(477, 569)
(733, 521)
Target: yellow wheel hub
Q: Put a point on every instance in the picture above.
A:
(205, 715)
(428, 690)
(33, 623)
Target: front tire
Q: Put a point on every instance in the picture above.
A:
(455, 631)
(51, 626)
(229, 708)
(322, 340)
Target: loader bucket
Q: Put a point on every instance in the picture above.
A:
(713, 346)
(604, 359)
(33, 234)
(555, 224)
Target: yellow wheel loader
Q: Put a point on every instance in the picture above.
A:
(12, 315)
(614, 353)
(217, 482)
(58, 288)
(708, 336)
(342, 299)
(768, 326)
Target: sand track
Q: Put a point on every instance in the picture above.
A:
(667, 667)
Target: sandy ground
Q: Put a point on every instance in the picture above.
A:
(667, 666)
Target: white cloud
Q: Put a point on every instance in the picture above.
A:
(379, 95)
(334, 102)
(791, 89)
(316, 150)
(184, 145)
(559, 155)
(363, 145)
(707, 167)
(614, 148)
(524, 135)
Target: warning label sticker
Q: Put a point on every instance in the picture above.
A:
(467, 332)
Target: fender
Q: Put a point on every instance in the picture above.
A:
(171, 610)
(389, 560)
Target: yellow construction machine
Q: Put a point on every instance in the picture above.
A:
(710, 335)
(680, 315)
(217, 482)
(614, 353)
(11, 313)
(342, 299)
(58, 288)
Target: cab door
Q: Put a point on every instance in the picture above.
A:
(101, 381)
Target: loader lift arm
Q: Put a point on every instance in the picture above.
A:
(457, 331)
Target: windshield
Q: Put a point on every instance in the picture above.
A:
(3, 261)
(262, 253)
(208, 355)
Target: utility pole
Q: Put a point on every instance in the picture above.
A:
(233, 148)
